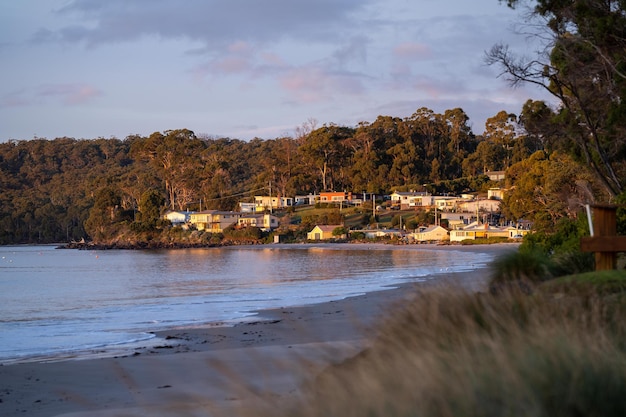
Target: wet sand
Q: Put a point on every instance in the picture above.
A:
(215, 370)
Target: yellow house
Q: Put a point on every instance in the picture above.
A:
(516, 233)
(214, 221)
(323, 232)
(431, 234)
(477, 231)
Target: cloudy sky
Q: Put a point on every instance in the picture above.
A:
(246, 68)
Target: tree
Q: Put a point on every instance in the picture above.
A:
(150, 209)
(584, 67)
(175, 155)
(501, 130)
(325, 149)
(403, 165)
(488, 156)
(365, 159)
(546, 189)
(339, 231)
(461, 140)
(104, 212)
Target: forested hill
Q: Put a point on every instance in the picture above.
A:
(557, 158)
(60, 190)
(48, 187)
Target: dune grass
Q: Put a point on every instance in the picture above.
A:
(558, 350)
(448, 353)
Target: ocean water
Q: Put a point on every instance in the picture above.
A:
(56, 303)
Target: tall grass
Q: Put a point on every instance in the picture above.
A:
(454, 354)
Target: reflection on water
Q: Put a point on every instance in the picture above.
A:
(63, 299)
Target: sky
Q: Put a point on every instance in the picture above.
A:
(247, 68)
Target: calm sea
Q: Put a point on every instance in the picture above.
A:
(62, 302)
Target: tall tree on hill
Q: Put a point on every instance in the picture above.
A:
(373, 157)
(502, 131)
(584, 67)
(362, 146)
(324, 148)
(461, 140)
(425, 128)
(175, 154)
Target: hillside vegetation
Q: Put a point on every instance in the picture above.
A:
(557, 158)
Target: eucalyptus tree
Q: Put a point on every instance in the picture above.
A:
(426, 130)
(583, 65)
(461, 140)
(150, 205)
(228, 165)
(277, 162)
(502, 131)
(364, 159)
(104, 213)
(175, 155)
(545, 188)
(376, 152)
(325, 151)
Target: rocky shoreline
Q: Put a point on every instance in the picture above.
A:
(139, 245)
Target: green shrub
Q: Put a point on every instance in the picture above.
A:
(596, 283)
(575, 262)
(357, 235)
(520, 270)
(565, 238)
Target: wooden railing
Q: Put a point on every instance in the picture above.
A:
(604, 240)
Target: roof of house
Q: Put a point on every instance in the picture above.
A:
(254, 215)
(217, 212)
(410, 193)
(328, 227)
(483, 226)
(432, 229)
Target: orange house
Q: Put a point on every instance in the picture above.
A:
(335, 197)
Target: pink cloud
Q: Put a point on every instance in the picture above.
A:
(238, 59)
(412, 50)
(306, 84)
(70, 94)
(231, 64)
(273, 59)
(313, 84)
(240, 47)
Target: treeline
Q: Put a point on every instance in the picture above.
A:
(557, 159)
(49, 188)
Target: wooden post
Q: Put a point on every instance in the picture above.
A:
(605, 242)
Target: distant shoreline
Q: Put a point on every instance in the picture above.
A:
(149, 245)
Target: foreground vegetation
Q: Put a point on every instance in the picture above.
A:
(559, 351)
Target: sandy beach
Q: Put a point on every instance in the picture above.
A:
(214, 370)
